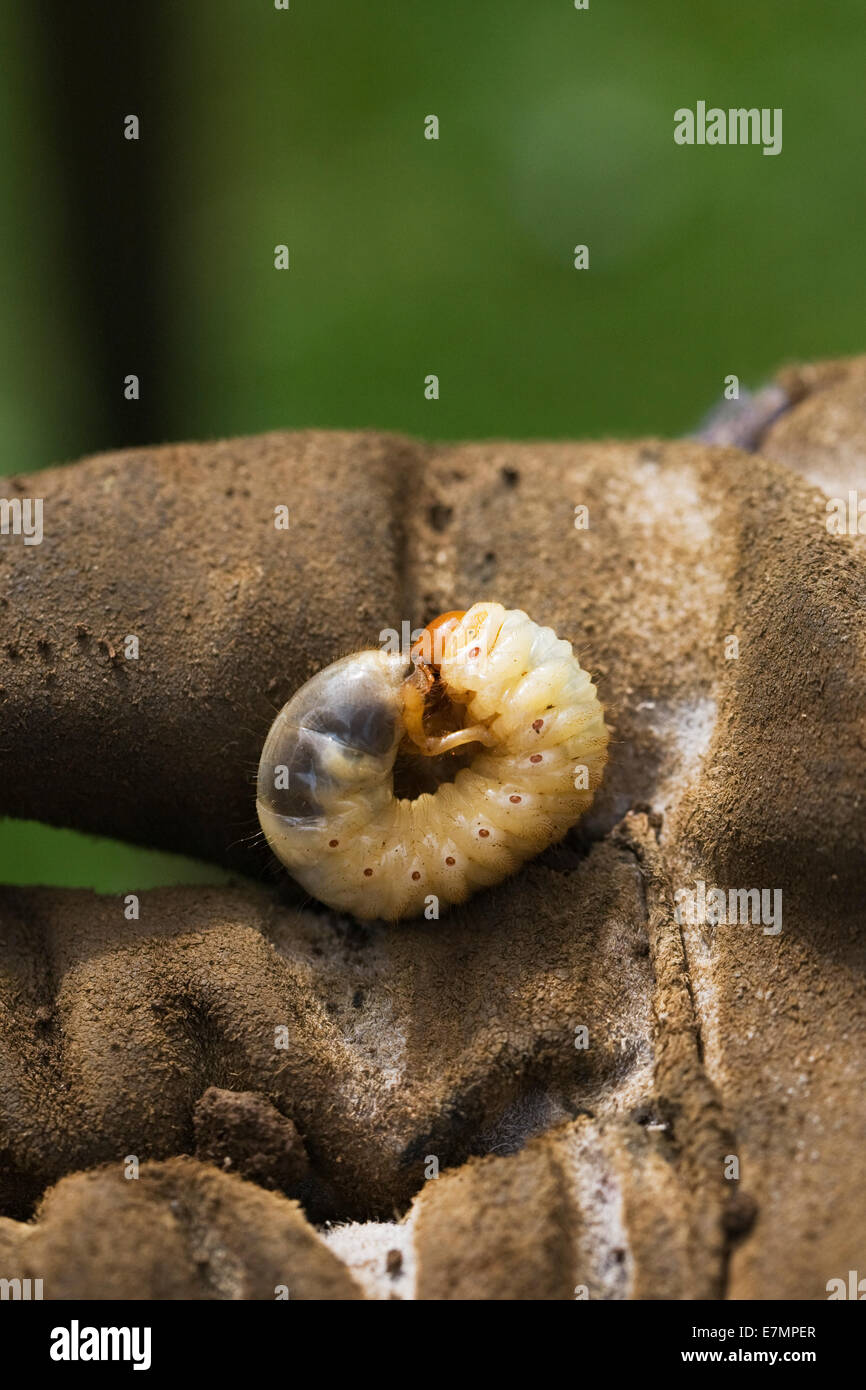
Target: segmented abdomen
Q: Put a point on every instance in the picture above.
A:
(352, 844)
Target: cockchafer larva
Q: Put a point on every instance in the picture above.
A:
(494, 678)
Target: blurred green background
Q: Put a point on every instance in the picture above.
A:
(306, 127)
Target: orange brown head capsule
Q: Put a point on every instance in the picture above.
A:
(427, 651)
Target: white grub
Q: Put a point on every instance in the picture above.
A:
(326, 797)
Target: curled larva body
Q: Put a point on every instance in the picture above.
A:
(326, 789)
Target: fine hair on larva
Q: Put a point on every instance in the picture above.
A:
(496, 680)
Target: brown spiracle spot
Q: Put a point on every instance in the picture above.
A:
(484, 834)
(538, 725)
(449, 860)
(536, 758)
(368, 873)
(515, 799)
(333, 843)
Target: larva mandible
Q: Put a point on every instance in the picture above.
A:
(325, 795)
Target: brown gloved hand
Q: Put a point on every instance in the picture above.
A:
(440, 1040)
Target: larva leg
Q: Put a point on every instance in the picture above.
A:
(448, 742)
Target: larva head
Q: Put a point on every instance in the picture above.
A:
(427, 651)
(336, 737)
(422, 689)
(433, 696)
